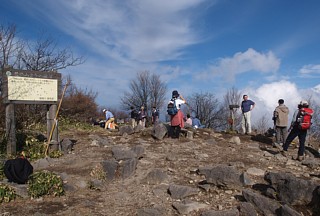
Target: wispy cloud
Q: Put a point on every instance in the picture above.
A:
(126, 31)
(243, 62)
(310, 69)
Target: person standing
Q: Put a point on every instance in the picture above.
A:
(155, 115)
(133, 117)
(246, 107)
(298, 129)
(142, 117)
(177, 121)
(280, 118)
(109, 118)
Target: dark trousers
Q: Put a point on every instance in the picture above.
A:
(175, 131)
(293, 134)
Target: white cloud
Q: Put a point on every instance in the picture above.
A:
(310, 69)
(266, 98)
(239, 63)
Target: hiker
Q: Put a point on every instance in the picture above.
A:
(142, 117)
(109, 118)
(246, 107)
(176, 120)
(196, 123)
(155, 115)
(280, 118)
(133, 117)
(300, 124)
(188, 123)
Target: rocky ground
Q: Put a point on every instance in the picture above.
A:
(168, 176)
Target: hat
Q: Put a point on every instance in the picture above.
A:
(104, 110)
(304, 102)
(175, 93)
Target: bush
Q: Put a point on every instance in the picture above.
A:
(6, 193)
(45, 183)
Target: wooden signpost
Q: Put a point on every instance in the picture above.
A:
(29, 87)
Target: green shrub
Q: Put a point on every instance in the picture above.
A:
(45, 183)
(6, 193)
(1, 171)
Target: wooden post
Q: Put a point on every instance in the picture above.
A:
(51, 121)
(11, 130)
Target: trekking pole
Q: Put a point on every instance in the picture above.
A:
(56, 118)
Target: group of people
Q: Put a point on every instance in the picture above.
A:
(296, 129)
(178, 121)
(139, 117)
(280, 118)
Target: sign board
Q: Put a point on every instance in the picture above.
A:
(31, 87)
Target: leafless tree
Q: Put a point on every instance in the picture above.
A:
(208, 109)
(232, 97)
(44, 55)
(10, 45)
(262, 125)
(146, 89)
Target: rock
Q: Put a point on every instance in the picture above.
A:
(179, 191)
(222, 175)
(110, 167)
(127, 129)
(265, 205)
(128, 167)
(187, 207)
(156, 176)
(235, 139)
(138, 150)
(285, 210)
(292, 190)
(67, 145)
(159, 131)
(122, 154)
(247, 209)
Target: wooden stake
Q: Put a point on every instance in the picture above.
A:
(55, 119)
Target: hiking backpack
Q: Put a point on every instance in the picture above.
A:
(172, 108)
(18, 170)
(304, 118)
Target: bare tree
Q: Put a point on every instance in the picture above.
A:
(207, 107)
(10, 46)
(262, 125)
(315, 128)
(157, 91)
(44, 55)
(146, 89)
(232, 97)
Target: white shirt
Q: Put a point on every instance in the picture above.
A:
(178, 102)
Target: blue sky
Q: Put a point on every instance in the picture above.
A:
(268, 49)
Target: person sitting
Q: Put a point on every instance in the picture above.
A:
(188, 123)
(109, 118)
(196, 123)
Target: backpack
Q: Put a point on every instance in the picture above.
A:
(304, 118)
(172, 108)
(18, 170)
